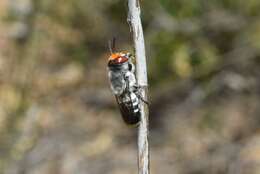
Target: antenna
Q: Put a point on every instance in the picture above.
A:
(112, 45)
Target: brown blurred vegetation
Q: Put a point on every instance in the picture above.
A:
(58, 116)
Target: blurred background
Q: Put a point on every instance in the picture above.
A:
(58, 115)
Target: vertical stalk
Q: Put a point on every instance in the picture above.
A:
(134, 21)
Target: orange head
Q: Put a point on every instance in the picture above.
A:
(118, 58)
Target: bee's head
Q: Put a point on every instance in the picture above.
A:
(118, 58)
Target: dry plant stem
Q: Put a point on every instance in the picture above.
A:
(141, 74)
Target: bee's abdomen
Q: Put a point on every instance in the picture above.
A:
(131, 118)
(135, 103)
(130, 110)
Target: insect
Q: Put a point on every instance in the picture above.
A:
(121, 73)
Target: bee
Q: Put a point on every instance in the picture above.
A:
(121, 73)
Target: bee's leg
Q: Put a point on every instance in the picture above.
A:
(139, 95)
(143, 100)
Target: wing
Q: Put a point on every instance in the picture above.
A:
(117, 82)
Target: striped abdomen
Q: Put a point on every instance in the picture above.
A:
(129, 109)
